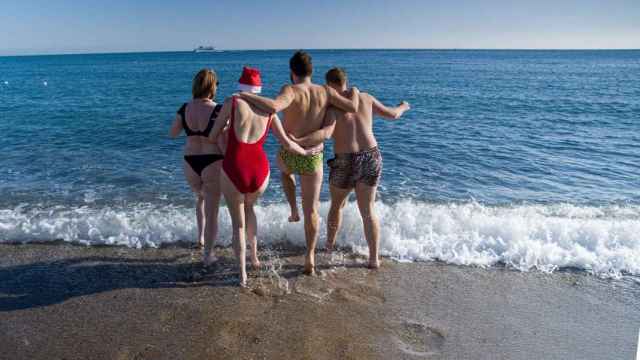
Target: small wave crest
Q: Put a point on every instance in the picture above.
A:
(602, 240)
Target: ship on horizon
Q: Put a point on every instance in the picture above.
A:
(206, 49)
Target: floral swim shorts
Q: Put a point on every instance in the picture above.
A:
(346, 170)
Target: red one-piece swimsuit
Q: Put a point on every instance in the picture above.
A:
(245, 164)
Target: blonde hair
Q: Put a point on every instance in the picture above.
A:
(204, 84)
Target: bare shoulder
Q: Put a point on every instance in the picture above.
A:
(291, 88)
(366, 97)
(317, 89)
(239, 101)
(242, 106)
(245, 107)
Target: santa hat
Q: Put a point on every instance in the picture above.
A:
(250, 80)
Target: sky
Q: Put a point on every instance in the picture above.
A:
(65, 26)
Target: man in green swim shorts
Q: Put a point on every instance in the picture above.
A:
(357, 164)
(301, 165)
(303, 105)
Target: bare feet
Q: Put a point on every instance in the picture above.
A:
(243, 281)
(200, 244)
(309, 267)
(329, 247)
(255, 262)
(374, 264)
(209, 259)
(295, 216)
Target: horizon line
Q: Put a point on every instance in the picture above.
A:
(89, 52)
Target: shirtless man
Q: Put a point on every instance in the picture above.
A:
(304, 105)
(357, 163)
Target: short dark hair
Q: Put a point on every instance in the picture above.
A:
(336, 76)
(300, 64)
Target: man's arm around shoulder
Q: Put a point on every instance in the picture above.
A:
(281, 102)
(341, 102)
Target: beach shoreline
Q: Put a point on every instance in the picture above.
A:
(76, 302)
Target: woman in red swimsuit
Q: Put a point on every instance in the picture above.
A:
(245, 173)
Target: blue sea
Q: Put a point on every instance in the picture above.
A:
(523, 158)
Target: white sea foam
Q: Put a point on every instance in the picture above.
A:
(603, 240)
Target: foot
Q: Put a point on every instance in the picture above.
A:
(295, 216)
(329, 247)
(200, 244)
(374, 264)
(309, 267)
(255, 262)
(243, 281)
(209, 259)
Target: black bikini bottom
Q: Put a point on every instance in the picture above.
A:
(199, 162)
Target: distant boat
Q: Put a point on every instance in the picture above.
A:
(205, 49)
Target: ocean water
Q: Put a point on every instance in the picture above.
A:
(526, 158)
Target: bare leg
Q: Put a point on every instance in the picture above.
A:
(196, 186)
(211, 205)
(200, 219)
(366, 197)
(289, 188)
(338, 201)
(252, 232)
(310, 187)
(235, 204)
(252, 222)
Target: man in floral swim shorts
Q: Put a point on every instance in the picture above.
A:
(357, 163)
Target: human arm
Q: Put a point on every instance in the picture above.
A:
(341, 102)
(176, 127)
(322, 134)
(286, 142)
(221, 121)
(390, 113)
(272, 106)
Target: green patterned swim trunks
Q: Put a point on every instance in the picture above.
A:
(299, 164)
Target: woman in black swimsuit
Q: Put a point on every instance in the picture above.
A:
(201, 165)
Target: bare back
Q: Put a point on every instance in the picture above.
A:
(354, 131)
(307, 110)
(197, 115)
(250, 122)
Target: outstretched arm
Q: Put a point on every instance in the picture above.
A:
(221, 121)
(176, 127)
(322, 134)
(286, 142)
(390, 113)
(343, 103)
(281, 102)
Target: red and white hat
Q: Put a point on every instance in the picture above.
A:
(250, 80)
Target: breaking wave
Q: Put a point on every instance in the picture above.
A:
(601, 240)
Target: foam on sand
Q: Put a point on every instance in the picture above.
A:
(602, 240)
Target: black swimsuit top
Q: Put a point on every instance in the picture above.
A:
(205, 132)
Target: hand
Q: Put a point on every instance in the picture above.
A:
(293, 137)
(317, 149)
(405, 105)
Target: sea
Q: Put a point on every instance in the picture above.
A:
(524, 159)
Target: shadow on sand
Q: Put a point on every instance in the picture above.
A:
(46, 283)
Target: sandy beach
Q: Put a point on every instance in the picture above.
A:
(74, 302)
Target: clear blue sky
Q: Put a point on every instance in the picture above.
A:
(28, 26)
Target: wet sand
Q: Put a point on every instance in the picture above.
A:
(73, 302)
